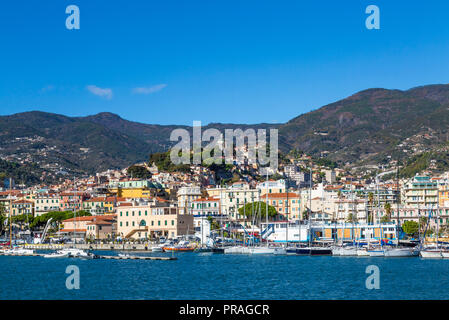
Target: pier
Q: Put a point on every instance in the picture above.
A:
(97, 257)
(87, 246)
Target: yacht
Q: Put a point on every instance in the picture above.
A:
(376, 252)
(19, 251)
(74, 252)
(434, 253)
(401, 252)
(57, 255)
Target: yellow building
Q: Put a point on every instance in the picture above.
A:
(152, 221)
(443, 196)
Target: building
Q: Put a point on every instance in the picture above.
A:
(20, 207)
(287, 205)
(79, 227)
(71, 201)
(270, 186)
(101, 229)
(134, 188)
(100, 205)
(186, 196)
(151, 221)
(46, 202)
(421, 192)
(296, 176)
(206, 207)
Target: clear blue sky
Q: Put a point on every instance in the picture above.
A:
(239, 61)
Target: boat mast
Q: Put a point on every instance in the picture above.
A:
(10, 213)
(266, 208)
(310, 206)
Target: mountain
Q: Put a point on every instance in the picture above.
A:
(373, 124)
(85, 145)
(369, 127)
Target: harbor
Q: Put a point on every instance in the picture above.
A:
(220, 276)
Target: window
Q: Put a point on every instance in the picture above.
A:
(173, 222)
(159, 223)
(165, 222)
(120, 223)
(126, 223)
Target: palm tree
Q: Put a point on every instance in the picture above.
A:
(387, 208)
(2, 216)
(370, 201)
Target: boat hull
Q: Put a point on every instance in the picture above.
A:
(431, 254)
(401, 252)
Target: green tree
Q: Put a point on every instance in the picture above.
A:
(2, 216)
(351, 218)
(385, 219)
(248, 209)
(410, 227)
(387, 208)
(139, 172)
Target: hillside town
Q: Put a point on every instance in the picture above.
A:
(114, 205)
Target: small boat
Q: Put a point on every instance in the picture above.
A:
(57, 255)
(157, 249)
(280, 251)
(376, 252)
(401, 252)
(320, 251)
(204, 249)
(445, 254)
(260, 250)
(362, 252)
(431, 253)
(76, 253)
(124, 255)
(19, 251)
(234, 250)
(348, 251)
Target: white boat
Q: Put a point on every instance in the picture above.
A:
(57, 255)
(74, 252)
(124, 255)
(235, 250)
(260, 250)
(376, 252)
(19, 251)
(400, 252)
(431, 253)
(445, 254)
(348, 251)
(362, 252)
(157, 249)
(280, 251)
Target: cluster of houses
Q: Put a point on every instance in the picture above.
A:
(173, 204)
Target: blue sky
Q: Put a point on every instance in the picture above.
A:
(172, 62)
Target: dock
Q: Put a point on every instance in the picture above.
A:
(97, 257)
(137, 258)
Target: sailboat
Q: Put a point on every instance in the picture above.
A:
(75, 252)
(14, 250)
(433, 252)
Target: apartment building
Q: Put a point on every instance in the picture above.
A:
(149, 221)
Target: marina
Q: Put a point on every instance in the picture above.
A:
(207, 275)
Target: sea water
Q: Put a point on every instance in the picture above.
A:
(218, 276)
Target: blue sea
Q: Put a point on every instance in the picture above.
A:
(218, 276)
